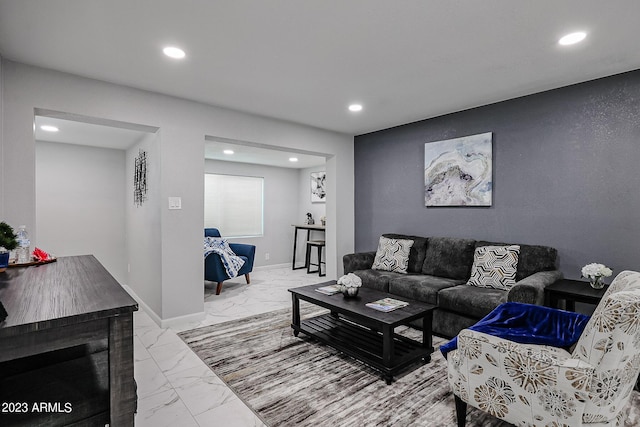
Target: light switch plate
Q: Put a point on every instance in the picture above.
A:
(175, 202)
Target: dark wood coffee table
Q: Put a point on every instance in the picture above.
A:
(364, 333)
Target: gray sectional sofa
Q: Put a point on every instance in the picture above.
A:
(437, 273)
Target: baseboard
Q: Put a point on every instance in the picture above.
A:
(272, 267)
(180, 320)
(164, 323)
(152, 314)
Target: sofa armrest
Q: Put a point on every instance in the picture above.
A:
(475, 344)
(530, 290)
(523, 384)
(214, 269)
(242, 249)
(359, 261)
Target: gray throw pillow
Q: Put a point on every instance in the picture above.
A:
(392, 255)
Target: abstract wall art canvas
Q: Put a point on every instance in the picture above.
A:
(459, 172)
(140, 178)
(318, 192)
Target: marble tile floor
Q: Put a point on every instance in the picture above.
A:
(175, 388)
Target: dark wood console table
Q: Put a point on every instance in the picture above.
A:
(64, 304)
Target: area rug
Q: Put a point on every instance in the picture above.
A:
(289, 380)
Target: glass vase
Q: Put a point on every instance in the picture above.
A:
(596, 282)
(349, 292)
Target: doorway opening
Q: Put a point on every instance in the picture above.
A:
(82, 186)
(290, 193)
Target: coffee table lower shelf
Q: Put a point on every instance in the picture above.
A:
(364, 344)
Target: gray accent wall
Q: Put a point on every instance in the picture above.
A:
(565, 165)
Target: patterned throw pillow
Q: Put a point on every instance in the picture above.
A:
(495, 267)
(392, 255)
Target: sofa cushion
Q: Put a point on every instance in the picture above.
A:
(421, 287)
(471, 300)
(532, 258)
(448, 324)
(392, 255)
(449, 257)
(417, 252)
(494, 267)
(377, 279)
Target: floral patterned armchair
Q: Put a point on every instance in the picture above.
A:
(537, 385)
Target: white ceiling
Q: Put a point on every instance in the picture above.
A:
(305, 61)
(79, 133)
(243, 153)
(94, 135)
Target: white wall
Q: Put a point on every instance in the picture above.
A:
(183, 125)
(143, 228)
(318, 210)
(280, 208)
(2, 172)
(80, 203)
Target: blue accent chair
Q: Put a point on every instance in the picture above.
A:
(214, 270)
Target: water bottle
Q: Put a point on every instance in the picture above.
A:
(23, 251)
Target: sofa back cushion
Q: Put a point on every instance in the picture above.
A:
(449, 257)
(532, 258)
(417, 252)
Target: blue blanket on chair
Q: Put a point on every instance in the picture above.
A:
(528, 324)
(231, 262)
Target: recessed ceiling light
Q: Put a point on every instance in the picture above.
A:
(228, 151)
(572, 38)
(174, 52)
(49, 128)
(355, 107)
(293, 159)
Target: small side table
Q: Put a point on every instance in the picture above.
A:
(572, 291)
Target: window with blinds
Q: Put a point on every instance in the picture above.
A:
(234, 204)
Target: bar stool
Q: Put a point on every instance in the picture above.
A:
(315, 244)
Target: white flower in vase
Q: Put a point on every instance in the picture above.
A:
(595, 272)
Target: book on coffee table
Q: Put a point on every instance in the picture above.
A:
(387, 304)
(329, 290)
